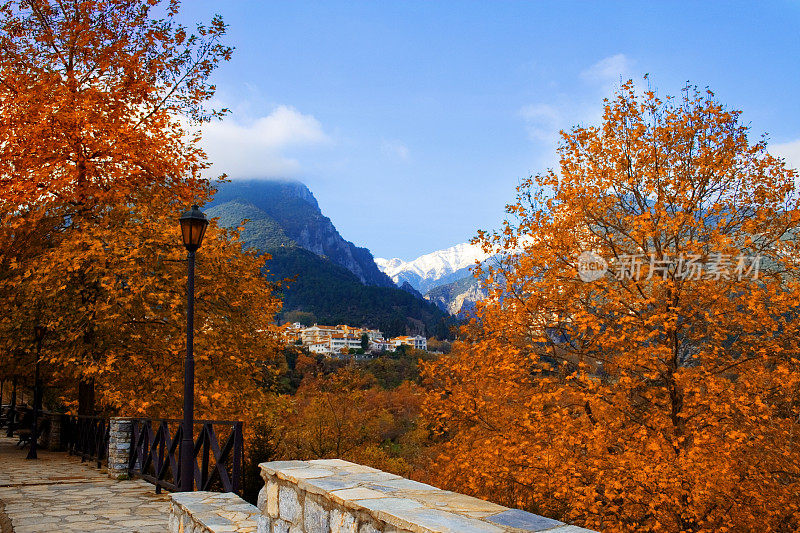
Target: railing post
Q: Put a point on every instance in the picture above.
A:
(237, 473)
(119, 447)
(134, 450)
(206, 451)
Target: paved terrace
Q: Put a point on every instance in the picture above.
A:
(58, 493)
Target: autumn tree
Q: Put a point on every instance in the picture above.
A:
(347, 415)
(99, 154)
(92, 97)
(635, 365)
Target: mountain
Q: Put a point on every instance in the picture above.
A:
(333, 281)
(291, 207)
(434, 269)
(326, 293)
(458, 297)
(409, 289)
(444, 277)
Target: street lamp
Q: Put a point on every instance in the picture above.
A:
(193, 227)
(38, 332)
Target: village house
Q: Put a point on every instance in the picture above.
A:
(340, 339)
(418, 342)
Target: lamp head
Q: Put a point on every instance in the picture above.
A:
(193, 227)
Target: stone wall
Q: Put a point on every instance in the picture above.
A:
(335, 496)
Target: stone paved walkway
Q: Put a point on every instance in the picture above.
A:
(58, 493)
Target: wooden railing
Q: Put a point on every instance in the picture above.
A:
(86, 436)
(155, 454)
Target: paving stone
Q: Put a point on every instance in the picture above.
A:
(358, 493)
(323, 485)
(273, 466)
(401, 484)
(393, 511)
(445, 522)
(293, 474)
(58, 492)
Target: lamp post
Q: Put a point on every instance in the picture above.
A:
(39, 332)
(193, 227)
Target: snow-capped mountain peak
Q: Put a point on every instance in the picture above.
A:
(424, 271)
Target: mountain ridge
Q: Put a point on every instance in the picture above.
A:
(435, 268)
(445, 277)
(292, 206)
(322, 277)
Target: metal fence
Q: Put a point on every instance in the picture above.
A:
(155, 454)
(86, 437)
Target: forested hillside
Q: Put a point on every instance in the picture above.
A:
(321, 288)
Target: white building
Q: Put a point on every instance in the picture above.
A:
(418, 342)
(341, 342)
(323, 347)
(316, 333)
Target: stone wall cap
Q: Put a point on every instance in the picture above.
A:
(570, 529)
(519, 519)
(217, 512)
(403, 503)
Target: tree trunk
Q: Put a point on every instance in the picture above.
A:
(86, 397)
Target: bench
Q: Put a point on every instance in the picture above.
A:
(24, 431)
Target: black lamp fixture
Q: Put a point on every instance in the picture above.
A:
(193, 227)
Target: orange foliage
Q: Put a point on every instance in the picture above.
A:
(655, 402)
(346, 415)
(96, 163)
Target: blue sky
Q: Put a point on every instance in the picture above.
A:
(412, 122)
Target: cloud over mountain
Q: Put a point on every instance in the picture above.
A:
(262, 146)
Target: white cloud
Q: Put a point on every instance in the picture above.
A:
(257, 147)
(608, 70)
(395, 149)
(789, 151)
(543, 121)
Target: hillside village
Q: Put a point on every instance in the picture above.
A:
(343, 340)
